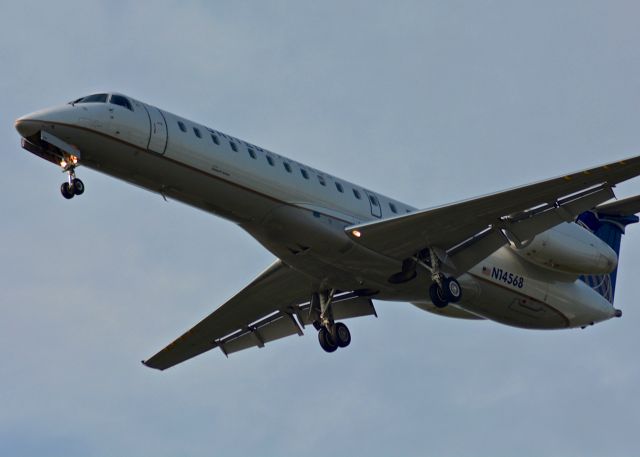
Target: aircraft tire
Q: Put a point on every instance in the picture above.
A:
(66, 190)
(438, 297)
(453, 290)
(77, 186)
(326, 341)
(342, 335)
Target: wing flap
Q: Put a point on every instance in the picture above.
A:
(272, 328)
(354, 307)
(565, 211)
(283, 323)
(345, 306)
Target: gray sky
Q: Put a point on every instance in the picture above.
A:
(426, 101)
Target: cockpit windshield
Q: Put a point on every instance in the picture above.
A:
(95, 98)
(122, 101)
(102, 98)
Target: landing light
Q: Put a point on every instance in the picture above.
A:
(74, 159)
(63, 163)
(356, 233)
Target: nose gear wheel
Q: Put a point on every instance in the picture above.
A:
(74, 186)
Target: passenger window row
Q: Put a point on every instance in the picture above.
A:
(251, 150)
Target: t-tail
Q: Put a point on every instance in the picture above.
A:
(608, 222)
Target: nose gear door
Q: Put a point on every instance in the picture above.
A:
(158, 133)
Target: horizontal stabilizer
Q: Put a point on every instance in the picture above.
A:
(624, 207)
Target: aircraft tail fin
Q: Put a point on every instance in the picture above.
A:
(608, 222)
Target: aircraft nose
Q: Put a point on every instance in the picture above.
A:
(27, 125)
(31, 123)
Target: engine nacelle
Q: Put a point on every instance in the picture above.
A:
(570, 248)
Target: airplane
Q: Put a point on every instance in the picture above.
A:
(539, 256)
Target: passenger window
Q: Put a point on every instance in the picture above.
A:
(356, 193)
(215, 139)
(286, 166)
(121, 101)
(339, 187)
(304, 173)
(233, 146)
(270, 160)
(252, 153)
(182, 126)
(197, 132)
(393, 208)
(374, 201)
(321, 180)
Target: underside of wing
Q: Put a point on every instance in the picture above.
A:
(275, 289)
(274, 305)
(466, 232)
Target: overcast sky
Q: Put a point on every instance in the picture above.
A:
(425, 101)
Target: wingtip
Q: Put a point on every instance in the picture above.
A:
(146, 364)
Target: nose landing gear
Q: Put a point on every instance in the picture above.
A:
(74, 186)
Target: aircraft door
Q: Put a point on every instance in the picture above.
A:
(158, 133)
(374, 201)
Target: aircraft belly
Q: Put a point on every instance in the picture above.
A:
(514, 292)
(315, 244)
(498, 303)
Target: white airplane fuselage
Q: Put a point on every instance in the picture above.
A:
(300, 215)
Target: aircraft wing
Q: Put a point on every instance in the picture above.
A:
(466, 232)
(272, 306)
(277, 288)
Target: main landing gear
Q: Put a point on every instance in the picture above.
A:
(74, 186)
(331, 335)
(444, 289)
(329, 340)
(448, 291)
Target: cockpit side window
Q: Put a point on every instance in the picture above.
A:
(95, 98)
(122, 101)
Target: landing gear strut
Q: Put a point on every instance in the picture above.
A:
(331, 335)
(74, 186)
